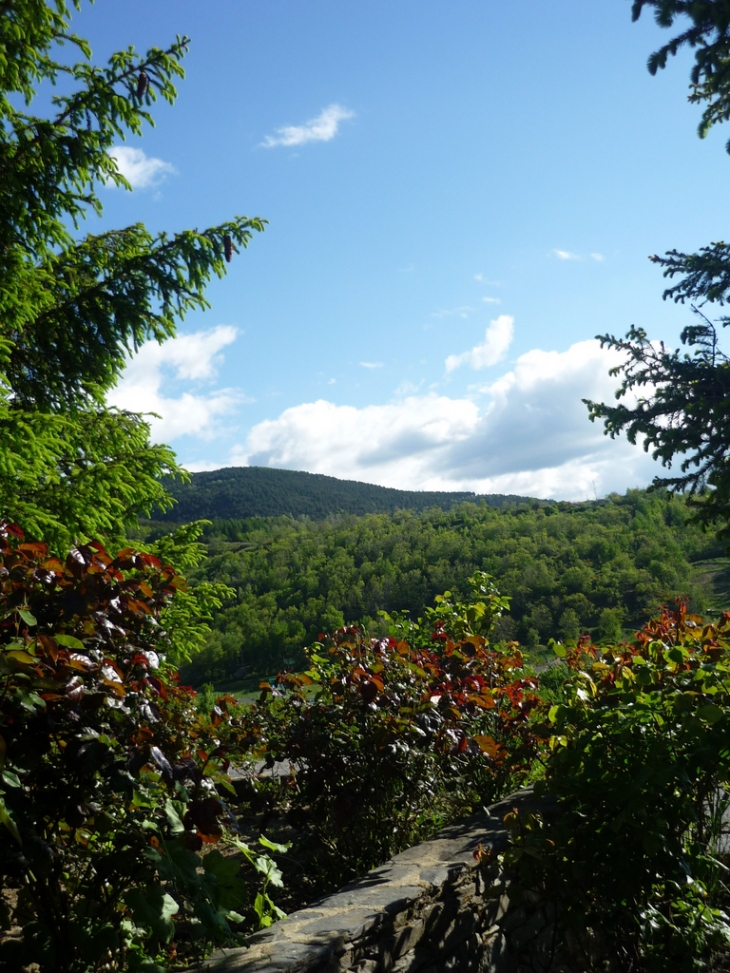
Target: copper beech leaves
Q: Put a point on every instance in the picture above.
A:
(387, 737)
(108, 771)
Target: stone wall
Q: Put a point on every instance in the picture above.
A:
(427, 909)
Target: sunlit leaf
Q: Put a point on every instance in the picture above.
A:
(69, 642)
(7, 820)
(23, 657)
(710, 713)
(273, 845)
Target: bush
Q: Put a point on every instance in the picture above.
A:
(390, 738)
(109, 775)
(639, 763)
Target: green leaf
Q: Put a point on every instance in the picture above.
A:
(152, 909)
(179, 864)
(10, 778)
(710, 713)
(242, 847)
(69, 642)
(28, 617)
(229, 890)
(25, 658)
(223, 780)
(173, 816)
(266, 910)
(269, 869)
(31, 701)
(6, 819)
(273, 845)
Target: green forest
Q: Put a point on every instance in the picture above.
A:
(239, 492)
(600, 567)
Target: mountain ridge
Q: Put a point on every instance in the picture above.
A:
(239, 492)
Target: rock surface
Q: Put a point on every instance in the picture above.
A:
(424, 910)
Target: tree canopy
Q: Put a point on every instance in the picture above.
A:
(709, 36)
(257, 491)
(104, 757)
(677, 402)
(567, 568)
(73, 307)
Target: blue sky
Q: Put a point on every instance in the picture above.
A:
(461, 194)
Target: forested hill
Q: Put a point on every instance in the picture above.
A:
(256, 491)
(603, 567)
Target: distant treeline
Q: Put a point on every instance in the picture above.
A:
(257, 491)
(601, 567)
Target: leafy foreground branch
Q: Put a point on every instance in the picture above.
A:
(636, 855)
(388, 739)
(72, 308)
(112, 779)
(109, 776)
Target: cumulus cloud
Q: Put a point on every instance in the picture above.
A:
(323, 128)
(140, 170)
(191, 358)
(530, 435)
(312, 436)
(493, 349)
(568, 255)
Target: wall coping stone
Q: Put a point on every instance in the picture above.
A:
(323, 936)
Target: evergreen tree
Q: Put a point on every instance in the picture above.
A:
(72, 308)
(682, 411)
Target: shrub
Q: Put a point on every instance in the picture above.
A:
(639, 763)
(389, 738)
(109, 776)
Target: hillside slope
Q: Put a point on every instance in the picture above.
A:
(601, 567)
(255, 491)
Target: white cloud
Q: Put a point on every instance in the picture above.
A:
(202, 466)
(496, 343)
(140, 170)
(312, 436)
(492, 300)
(191, 358)
(478, 276)
(320, 129)
(568, 255)
(407, 388)
(530, 435)
(371, 364)
(462, 312)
